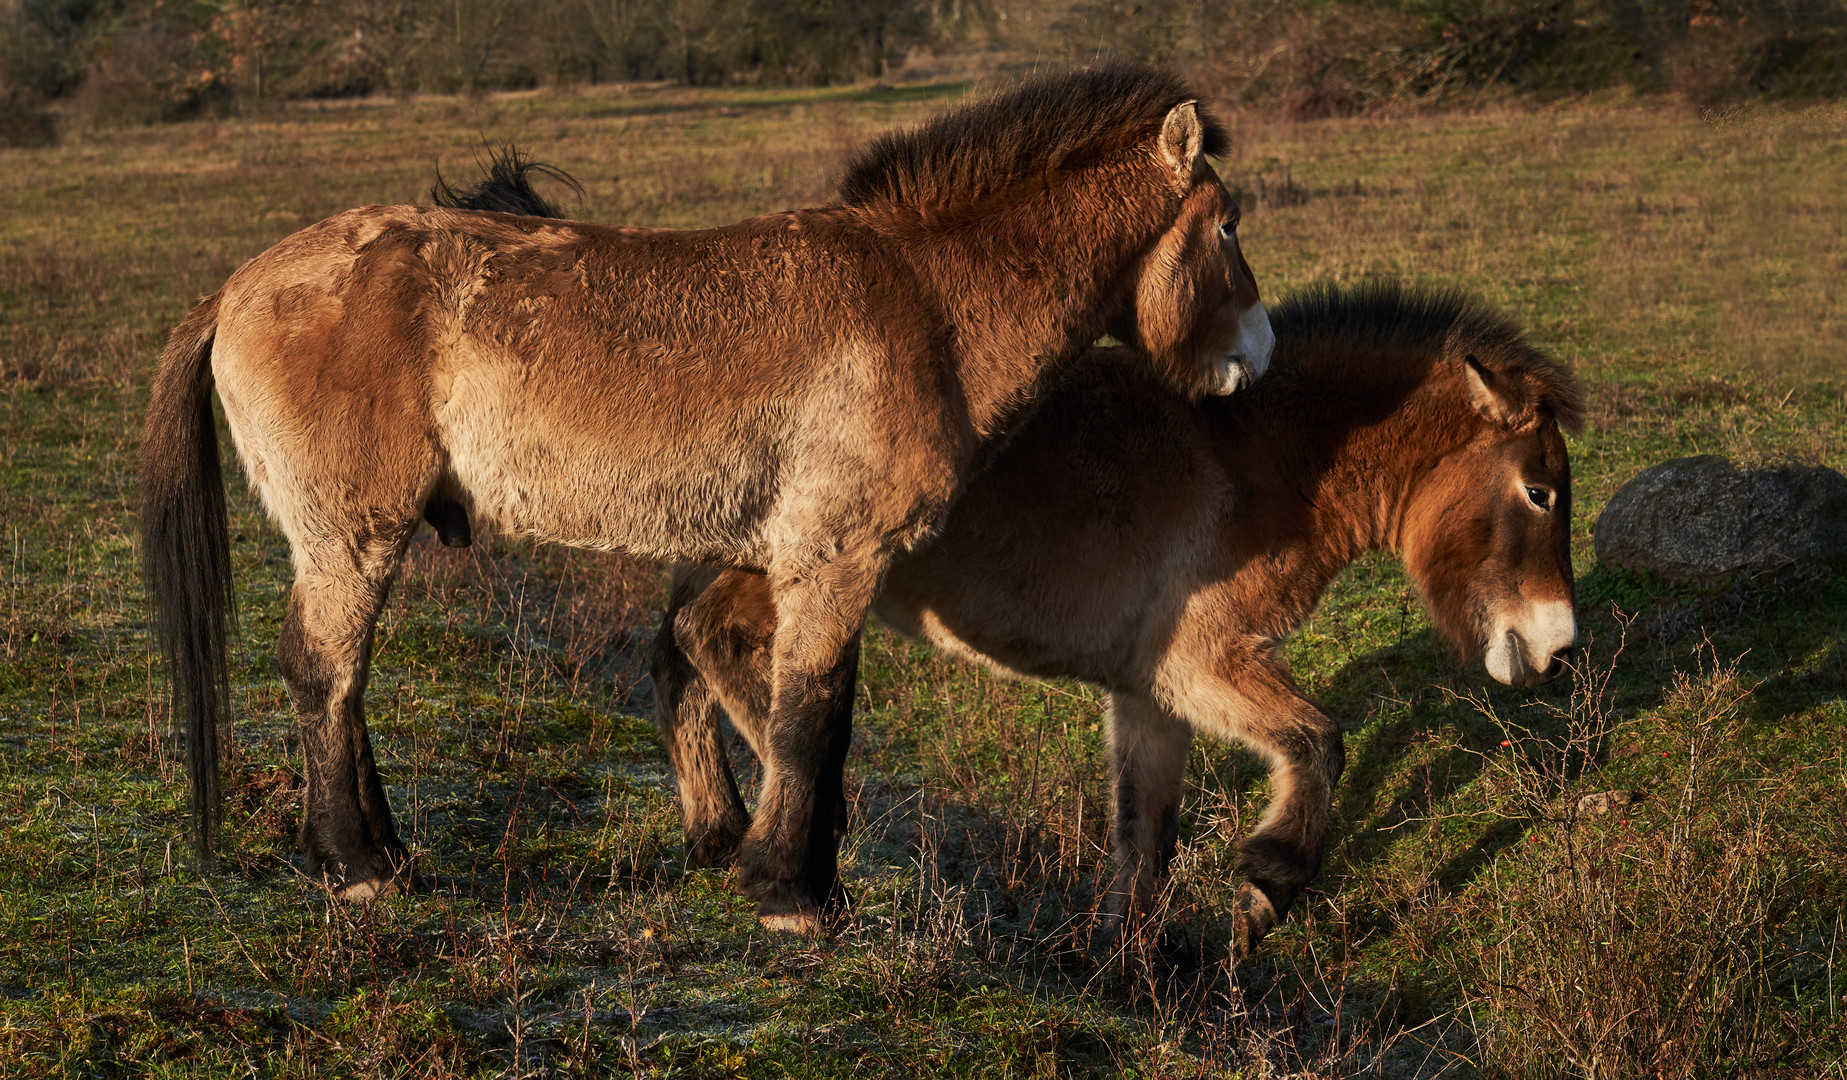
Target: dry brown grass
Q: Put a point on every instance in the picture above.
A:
(1629, 940)
(1668, 235)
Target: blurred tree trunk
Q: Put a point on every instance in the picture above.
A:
(479, 28)
(706, 35)
(875, 33)
(616, 23)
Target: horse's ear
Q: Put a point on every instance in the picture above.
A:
(1182, 137)
(1494, 395)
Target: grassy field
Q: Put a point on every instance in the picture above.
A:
(1469, 920)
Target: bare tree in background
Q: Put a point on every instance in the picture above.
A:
(618, 23)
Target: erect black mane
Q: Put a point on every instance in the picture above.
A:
(1045, 123)
(507, 188)
(1377, 317)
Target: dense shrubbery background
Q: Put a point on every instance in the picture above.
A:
(162, 59)
(144, 60)
(1348, 55)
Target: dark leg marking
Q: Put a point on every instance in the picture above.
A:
(347, 833)
(686, 712)
(789, 861)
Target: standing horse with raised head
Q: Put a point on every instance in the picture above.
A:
(1162, 549)
(800, 394)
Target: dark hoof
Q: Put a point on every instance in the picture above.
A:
(831, 920)
(1256, 916)
(365, 889)
(364, 892)
(1125, 938)
(831, 917)
(373, 876)
(839, 903)
(1105, 937)
(805, 923)
(718, 848)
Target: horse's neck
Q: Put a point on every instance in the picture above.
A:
(1357, 475)
(1015, 330)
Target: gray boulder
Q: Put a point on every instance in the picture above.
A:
(1701, 519)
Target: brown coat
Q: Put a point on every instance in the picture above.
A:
(1162, 549)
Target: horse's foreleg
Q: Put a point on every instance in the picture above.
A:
(1148, 748)
(1247, 695)
(788, 859)
(689, 663)
(325, 650)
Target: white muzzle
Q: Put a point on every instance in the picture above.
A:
(1524, 650)
(1247, 358)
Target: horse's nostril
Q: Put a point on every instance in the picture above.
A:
(1560, 660)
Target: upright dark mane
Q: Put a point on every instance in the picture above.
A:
(1388, 315)
(1046, 123)
(507, 188)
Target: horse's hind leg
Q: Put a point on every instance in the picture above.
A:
(325, 386)
(686, 708)
(1245, 694)
(325, 650)
(715, 650)
(1148, 748)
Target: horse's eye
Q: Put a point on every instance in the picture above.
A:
(1227, 229)
(1540, 497)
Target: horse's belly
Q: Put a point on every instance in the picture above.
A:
(654, 455)
(1023, 628)
(580, 497)
(1046, 582)
(589, 471)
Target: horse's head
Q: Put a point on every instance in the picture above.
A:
(1487, 531)
(1192, 308)
(1095, 185)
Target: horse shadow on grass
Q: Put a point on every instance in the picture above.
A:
(1412, 750)
(1417, 727)
(1419, 733)
(1786, 633)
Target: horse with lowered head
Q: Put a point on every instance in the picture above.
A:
(800, 395)
(1162, 549)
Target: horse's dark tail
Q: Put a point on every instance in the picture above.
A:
(186, 555)
(507, 188)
